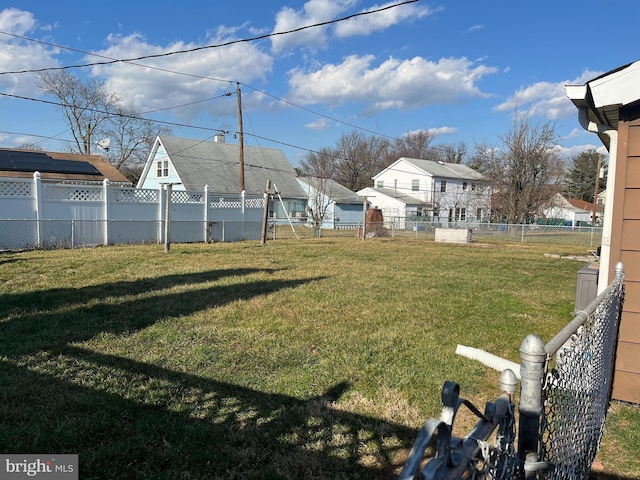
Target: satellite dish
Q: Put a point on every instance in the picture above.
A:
(104, 144)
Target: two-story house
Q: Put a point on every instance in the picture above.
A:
(437, 191)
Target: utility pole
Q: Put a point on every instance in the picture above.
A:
(240, 137)
(595, 193)
(87, 140)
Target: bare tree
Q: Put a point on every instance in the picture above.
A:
(86, 106)
(319, 168)
(451, 152)
(94, 113)
(320, 199)
(358, 158)
(322, 164)
(30, 146)
(131, 140)
(412, 145)
(525, 170)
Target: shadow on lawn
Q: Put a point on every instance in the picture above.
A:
(46, 319)
(129, 419)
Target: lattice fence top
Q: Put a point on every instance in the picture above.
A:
(73, 193)
(225, 202)
(254, 203)
(135, 195)
(184, 196)
(15, 188)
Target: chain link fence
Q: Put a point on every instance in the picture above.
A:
(589, 237)
(565, 390)
(26, 234)
(578, 387)
(52, 234)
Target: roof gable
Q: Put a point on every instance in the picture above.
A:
(216, 164)
(337, 192)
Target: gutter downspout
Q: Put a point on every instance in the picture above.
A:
(607, 224)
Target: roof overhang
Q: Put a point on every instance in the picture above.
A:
(601, 99)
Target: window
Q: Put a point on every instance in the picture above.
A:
(474, 186)
(415, 185)
(479, 214)
(436, 212)
(163, 168)
(457, 213)
(443, 185)
(380, 184)
(463, 214)
(464, 186)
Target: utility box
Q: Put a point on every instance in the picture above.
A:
(587, 286)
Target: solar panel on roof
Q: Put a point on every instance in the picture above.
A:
(23, 161)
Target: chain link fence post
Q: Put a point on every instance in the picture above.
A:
(532, 372)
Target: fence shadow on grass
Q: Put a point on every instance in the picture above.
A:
(187, 426)
(45, 319)
(130, 419)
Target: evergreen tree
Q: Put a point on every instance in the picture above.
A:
(581, 178)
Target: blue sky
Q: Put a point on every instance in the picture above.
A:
(458, 69)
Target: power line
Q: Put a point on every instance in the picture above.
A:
(111, 60)
(191, 50)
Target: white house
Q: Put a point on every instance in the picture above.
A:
(438, 191)
(574, 211)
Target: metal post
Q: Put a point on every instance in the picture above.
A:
(364, 218)
(265, 214)
(167, 220)
(533, 358)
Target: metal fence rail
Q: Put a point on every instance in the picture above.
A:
(577, 389)
(565, 391)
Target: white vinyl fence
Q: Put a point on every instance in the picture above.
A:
(34, 214)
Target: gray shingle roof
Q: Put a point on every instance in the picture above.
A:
(216, 164)
(446, 170)
(338, 193)
(399, 195)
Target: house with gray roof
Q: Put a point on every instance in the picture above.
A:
(193, 164)
(435, 191)
(339, 207)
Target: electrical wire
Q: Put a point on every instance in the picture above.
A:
(195, 49)
(111, 60)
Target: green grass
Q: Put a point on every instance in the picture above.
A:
(301, 359)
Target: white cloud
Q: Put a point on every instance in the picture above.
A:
(18, 55)
(433, 131)
(367, 24)
(322, 124)
(546, 99)
(569, 152)
(314, 11)
(393, 84)
(475, 27)
(577, 132)
(149, 89)
(16, 21)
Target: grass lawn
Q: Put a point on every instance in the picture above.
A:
(302, 359)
